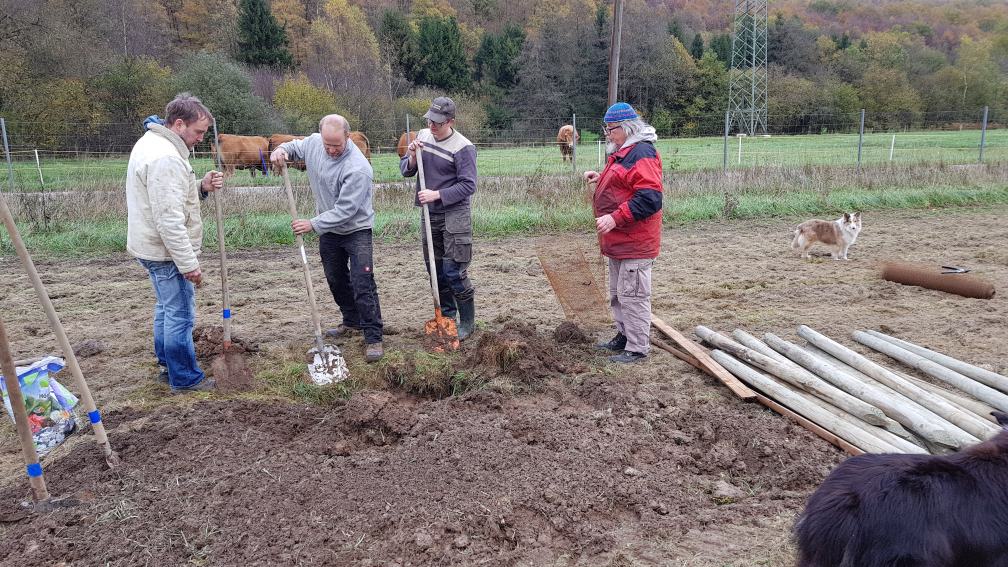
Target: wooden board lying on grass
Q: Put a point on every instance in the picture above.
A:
(706, 363)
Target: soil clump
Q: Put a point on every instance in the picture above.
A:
(569, 333)
(520, 353)
(209, 341)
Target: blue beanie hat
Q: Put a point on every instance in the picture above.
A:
(619, 112)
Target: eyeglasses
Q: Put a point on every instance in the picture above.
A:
(608, 129)
(438, 124)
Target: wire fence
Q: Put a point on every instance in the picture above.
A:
(110, 139)
(61, 156)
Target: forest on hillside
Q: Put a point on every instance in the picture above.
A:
(70, 67)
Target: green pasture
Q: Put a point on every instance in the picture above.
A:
(543, 158)
(94, 222)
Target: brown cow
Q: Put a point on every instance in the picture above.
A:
(241, 152)
(277, 139)
(565, 139)
(361, 141)
(404, 143)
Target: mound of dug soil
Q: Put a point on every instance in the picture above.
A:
(209, 341)
(605, 473)
(570, 333)
(520, 353)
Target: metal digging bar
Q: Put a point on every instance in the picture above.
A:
(85, 393)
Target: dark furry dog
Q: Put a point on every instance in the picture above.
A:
(911, 510)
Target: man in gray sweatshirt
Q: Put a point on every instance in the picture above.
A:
(340, 178)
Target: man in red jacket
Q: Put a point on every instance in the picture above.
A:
(628, 203)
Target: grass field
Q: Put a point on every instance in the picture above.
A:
(527, 190)
(678, 154)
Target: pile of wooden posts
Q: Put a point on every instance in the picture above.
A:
(856, 403)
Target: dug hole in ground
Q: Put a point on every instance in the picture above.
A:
(550, 455)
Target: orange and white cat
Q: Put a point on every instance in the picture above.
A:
(836, 235)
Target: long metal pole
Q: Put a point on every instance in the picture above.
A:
(85, 393)
(983, 134)
(21, 417)
(614, 50)
(726, 115)
(860, 140)
(574, 141)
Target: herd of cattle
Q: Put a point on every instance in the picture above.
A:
(252, 152)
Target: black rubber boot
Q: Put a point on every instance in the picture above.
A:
(449, 308)
(467, 317)
(617, 343)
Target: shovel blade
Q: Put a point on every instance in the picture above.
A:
(232, 374)
(326, 367)
(441, 335)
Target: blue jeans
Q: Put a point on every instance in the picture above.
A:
(348, 261)
(174, 318)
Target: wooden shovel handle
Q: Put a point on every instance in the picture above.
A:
(218, 207)
(20, 414)
(430, 239)
(304, 259)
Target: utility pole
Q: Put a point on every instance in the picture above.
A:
(614, 49)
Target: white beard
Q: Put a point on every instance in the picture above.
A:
(610, 147)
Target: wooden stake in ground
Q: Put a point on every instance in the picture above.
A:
(707, 363)
(71, 359)
(21, 417)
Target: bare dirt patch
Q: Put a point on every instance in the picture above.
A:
(572, 460)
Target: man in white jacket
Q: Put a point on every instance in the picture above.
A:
(165, 232)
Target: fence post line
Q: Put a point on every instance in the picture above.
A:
(983, 134)
(892, 146)
(10, 168)
(726, 114)
(574, 152)
(860, 140)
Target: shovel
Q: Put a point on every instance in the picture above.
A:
(441, 333)
(325, 363)
(230, 369)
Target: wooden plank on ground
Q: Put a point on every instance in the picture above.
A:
(707, 364)
(677, 353)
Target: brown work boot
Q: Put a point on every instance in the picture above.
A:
(374, 352)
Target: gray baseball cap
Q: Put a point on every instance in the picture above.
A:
(441, 110)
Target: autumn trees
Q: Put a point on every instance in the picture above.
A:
(518, 64)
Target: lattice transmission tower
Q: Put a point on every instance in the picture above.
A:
(747, 90)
